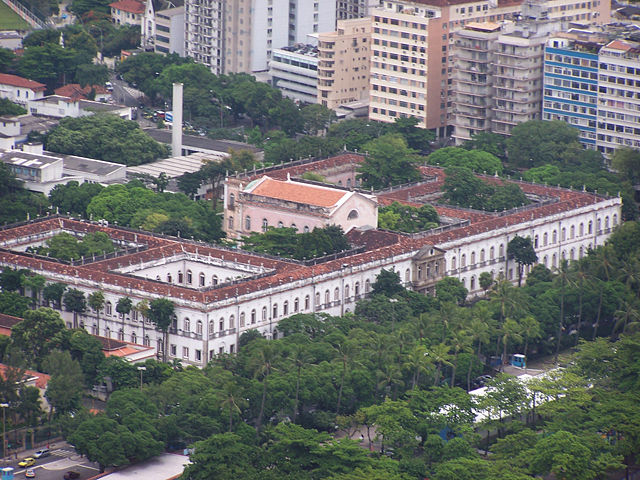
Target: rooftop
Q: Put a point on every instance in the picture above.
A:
(223, 146)
(176, 166)
(76, 92)
(24, 159)
(16, 81)
(88, 165)
(131, 6)
(298, 192)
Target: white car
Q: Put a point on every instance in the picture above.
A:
(43, 452)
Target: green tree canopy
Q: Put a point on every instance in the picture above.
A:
(406, 218)
(389, 162)
(475, 160)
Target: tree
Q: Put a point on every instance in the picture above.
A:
(530, 329)
(7, 58)
(123, 307)
(521, 250)
(11, 280)
(492, 143)
(161, 314)
(105, 137)
(64, 390)
(463, 188)
(35, 283)
(388, 162)
(222, 456)
(92, 75)
(215, 173)
(75, 301)
(564, 455)
(73, 197)
(387, 283)
(486, 281)
(475, 160)
(452, 290)
(12, 303)
(52, 293)
(96, 301)
(87, 351)
(161, 182)
(36, 334)
(8, 108)
(316, 118)
(263, 365)
(408, 219)
(627, 162)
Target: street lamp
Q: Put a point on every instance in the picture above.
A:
(141, 369)
(4, 407)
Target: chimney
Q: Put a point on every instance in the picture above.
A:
(176, 131)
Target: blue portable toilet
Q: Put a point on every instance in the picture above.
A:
(518, 360)
(7, 473)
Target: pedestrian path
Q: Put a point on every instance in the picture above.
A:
(63, 452)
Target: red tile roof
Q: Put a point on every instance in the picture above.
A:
(298, 192)
(16, 81)
(42, 379)
(75, 92)
(131, 6)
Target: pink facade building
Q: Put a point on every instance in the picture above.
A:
(267, 202)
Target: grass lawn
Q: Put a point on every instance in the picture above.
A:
(9, 20)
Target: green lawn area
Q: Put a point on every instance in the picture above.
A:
(9, 20)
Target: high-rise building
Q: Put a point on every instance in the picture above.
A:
(343, 63)
(571, 82)
(240, 35)
(169, 31)
(294, 70)
(411, 58)
(618, 96)
(347, 9)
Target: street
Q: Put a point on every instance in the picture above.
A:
(63, 458)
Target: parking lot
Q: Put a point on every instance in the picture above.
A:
(62, 458)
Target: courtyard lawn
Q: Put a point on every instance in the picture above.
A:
(9, 20)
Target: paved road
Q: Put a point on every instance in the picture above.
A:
(54, 466)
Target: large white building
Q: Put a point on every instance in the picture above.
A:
(220, 293)
(294, 70)
(231, 37)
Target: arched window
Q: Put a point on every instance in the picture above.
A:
(264, 314)
(571, 254)
(230, 222)
(232, 200)
(346, 293)
(554, 261)
(606, 222)
(482, 255)
(169, 278)
(221, 324)
(535, 241)
(214, 280)
(336, 294)
(581, 229)
(327, 299)
(357, 289)
(473, 258)
(590, 228)
(147, 341)
(615, 219)
(247, 222)
(107, 332)
(253, 316)
(108, 309)
(501, 250)
(202, 279)
(265, 224)
(463, 260)
(580, 252)
(572, 232)
(353, 214)
(121, 335)
(407, 275)
(554, 237)
(211, 327)
(186, 325)
(305, 229)
(472, 284)
(293, 225)
(285, 308)
(317, 300)
(241, 319)
(280, 225)
(367, 286)
(199, 327)
(189, 277)
(296, 305)
(453, 263)
(564, 234)
(180, 277)
(306, 302)
(232, 321)
(546, 261)
(348, 182)
(599, 223)
(275, 311)
(545, 239)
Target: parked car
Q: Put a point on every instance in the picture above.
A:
(27, 462)
(31, 473)
(71, 475)
(43, 452)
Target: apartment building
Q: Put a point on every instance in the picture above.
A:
(294, 70)
(347, 9)
(571, 83)
(618, 96)
(343, 63)
(239, 36)
(412, 55)
(169, 31)
(127, 12)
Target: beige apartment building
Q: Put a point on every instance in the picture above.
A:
(343, 63)
(411, 58)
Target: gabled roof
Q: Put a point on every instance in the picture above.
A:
(619, 45)
(131, 6)
(76, 92)
(41, 379)
(298, 192)
(16, 81)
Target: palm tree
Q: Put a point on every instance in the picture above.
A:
(509, 302)
(96, 303)
(530, 329)
(604, 262)
(35, 283)
(123, 307)
(299, 357)
(346, 351)
(390, 377)
(440, 356)
(232, 401)
(510, 332)
(263, 363)
(562, 276)
(628, 314)
(460, 342)
(417, 362)
(481, 320)
(580, 276)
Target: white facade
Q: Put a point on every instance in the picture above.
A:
(169, 31)
(295, 73)
(20, 90)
